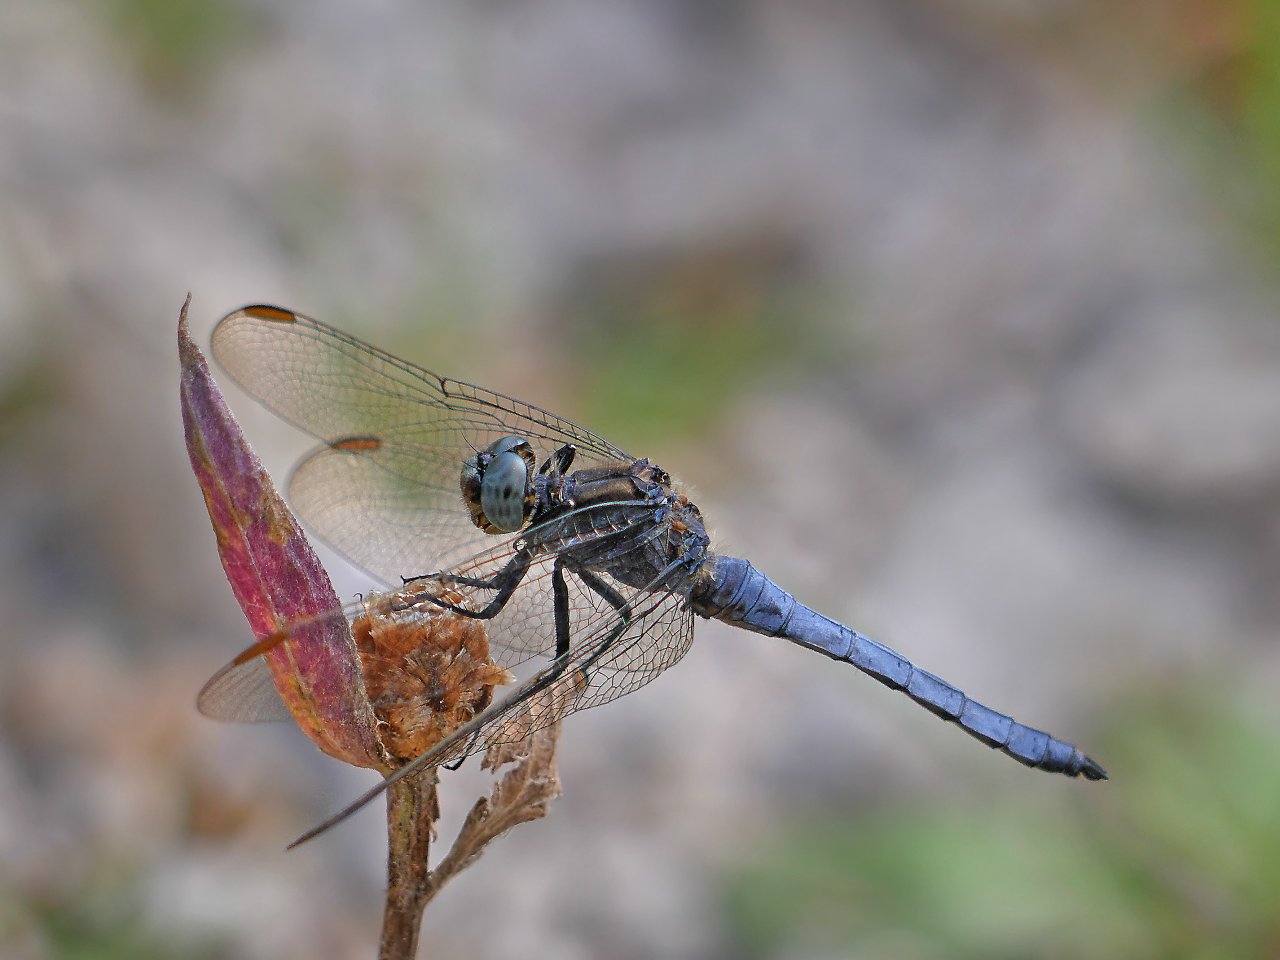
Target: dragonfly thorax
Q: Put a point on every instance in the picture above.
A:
(498, 485)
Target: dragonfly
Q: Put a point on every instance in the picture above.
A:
(586, 564)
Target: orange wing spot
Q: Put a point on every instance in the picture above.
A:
(274, 314)
(356, 444)
(261, 647)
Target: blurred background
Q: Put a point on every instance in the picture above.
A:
(957, 315)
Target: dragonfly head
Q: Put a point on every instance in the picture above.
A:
(497, 484)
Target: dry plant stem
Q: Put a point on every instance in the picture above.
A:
(412, 809)
(522, 794)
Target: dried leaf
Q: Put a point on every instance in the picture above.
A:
(522, 795)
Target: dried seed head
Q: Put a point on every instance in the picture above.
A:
(427, 671)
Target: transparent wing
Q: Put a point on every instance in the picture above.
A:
(391, 509)
(523, 630)
(619, 657)
(384, 489)
(243, 690)
(243, 693)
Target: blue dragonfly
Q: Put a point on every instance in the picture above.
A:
(579, 558)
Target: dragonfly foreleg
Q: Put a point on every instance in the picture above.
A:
(505, 582)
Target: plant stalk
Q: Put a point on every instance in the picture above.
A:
(412, 809)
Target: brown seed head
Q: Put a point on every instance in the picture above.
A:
(427, 671)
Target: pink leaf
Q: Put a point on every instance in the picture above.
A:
(285, 594)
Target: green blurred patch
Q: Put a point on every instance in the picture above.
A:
(25, 396)
(660, 345)
(101, 925)
(1261, 111)
(1224, 108)
(175, 44)
(1179, 856)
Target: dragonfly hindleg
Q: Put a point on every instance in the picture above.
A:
(615, 600)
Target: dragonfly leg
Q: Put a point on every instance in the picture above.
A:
(606, 592)
(560, 607)
(564, 639)
(619, 603)
(505, 581)
(454, 578)
(615, 600)
(560, 594)
(560, 461)
(453, 765)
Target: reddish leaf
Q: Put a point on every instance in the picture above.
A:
(275, 575)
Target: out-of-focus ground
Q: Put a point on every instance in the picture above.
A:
(956, 314)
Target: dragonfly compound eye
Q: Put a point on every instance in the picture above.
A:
(502, 491)
(498, 487)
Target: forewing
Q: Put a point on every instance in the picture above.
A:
(388, 508)
(396, 436)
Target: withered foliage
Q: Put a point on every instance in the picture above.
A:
(523, 794)
(426, 675)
